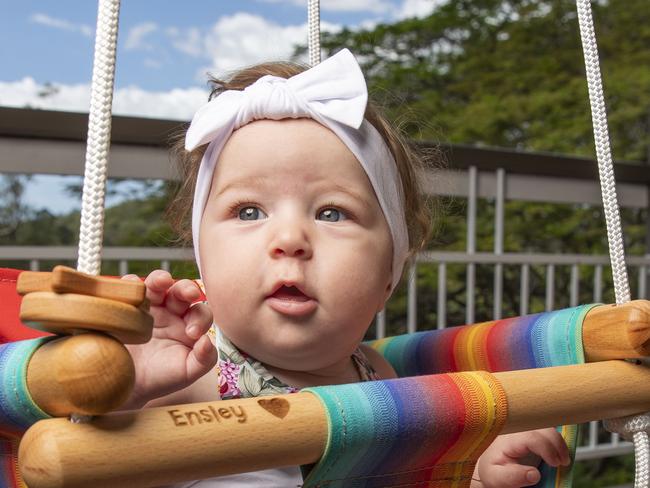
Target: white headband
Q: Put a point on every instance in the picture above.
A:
(332, 93)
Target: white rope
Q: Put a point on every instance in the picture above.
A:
(632, 428)
(99, 138)
(642, 461)
(313, 21)
(635, 428)
(603, 153)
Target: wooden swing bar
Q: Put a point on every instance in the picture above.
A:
(167, 444)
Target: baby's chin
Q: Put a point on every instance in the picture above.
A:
(292, 354)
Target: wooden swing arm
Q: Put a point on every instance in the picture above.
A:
(169, 444)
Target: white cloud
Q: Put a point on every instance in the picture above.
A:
(61, 24)
(177, 104)
(418, 8)
(189, 41)
(375, 6)
(242, 39)
(135, 39)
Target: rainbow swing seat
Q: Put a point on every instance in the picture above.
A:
(425, 429)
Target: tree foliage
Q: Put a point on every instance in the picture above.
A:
(12, 207)
(510, 73)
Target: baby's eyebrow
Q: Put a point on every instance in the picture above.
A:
(360, 197)
(249, 182)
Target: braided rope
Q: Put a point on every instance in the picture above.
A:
(642, 461)
(99, 138)
(91, 230)
(603, 152)
(314, 31)
(636, 427)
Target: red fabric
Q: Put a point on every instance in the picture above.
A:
(11, 328)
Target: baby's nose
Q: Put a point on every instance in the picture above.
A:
(289, 251)
(291, 241)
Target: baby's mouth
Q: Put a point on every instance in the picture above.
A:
(290, 300)
(290, 293)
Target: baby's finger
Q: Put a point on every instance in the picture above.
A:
(130, 277)
(158, 282)
(547, 446)
(512, 475)
(198, 320)
(558, 444)
(181, 295)
(201, 358)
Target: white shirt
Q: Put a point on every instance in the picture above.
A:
(288, 477)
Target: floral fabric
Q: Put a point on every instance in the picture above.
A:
(242, 376)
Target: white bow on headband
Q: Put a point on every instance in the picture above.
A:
(334, 89)
(334, 94)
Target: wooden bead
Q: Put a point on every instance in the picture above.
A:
(67, 280)
(617, 331)
(70, 313)
(89, 374)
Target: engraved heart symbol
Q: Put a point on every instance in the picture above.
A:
(275, 406)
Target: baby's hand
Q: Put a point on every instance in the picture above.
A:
(179, 352)
(511, 460)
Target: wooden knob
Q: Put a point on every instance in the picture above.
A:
(88, 374)
(617, 331)
(67, 280)
(70, 313)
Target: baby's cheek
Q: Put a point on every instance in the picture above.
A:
(220, 301)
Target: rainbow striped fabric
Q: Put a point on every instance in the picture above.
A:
(409, 429)
(532, 341)
(423, 431)
(17, 410)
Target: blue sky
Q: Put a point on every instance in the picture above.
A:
(53, 41)
(165, 49)
(163, 45)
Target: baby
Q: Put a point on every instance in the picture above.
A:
(306, 205)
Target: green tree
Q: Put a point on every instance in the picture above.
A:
(13, 210)
(510, 73)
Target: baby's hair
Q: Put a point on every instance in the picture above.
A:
(411, 163)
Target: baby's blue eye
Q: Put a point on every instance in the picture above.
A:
(251, 213)
(331, 215)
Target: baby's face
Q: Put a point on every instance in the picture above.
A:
(295, 250)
